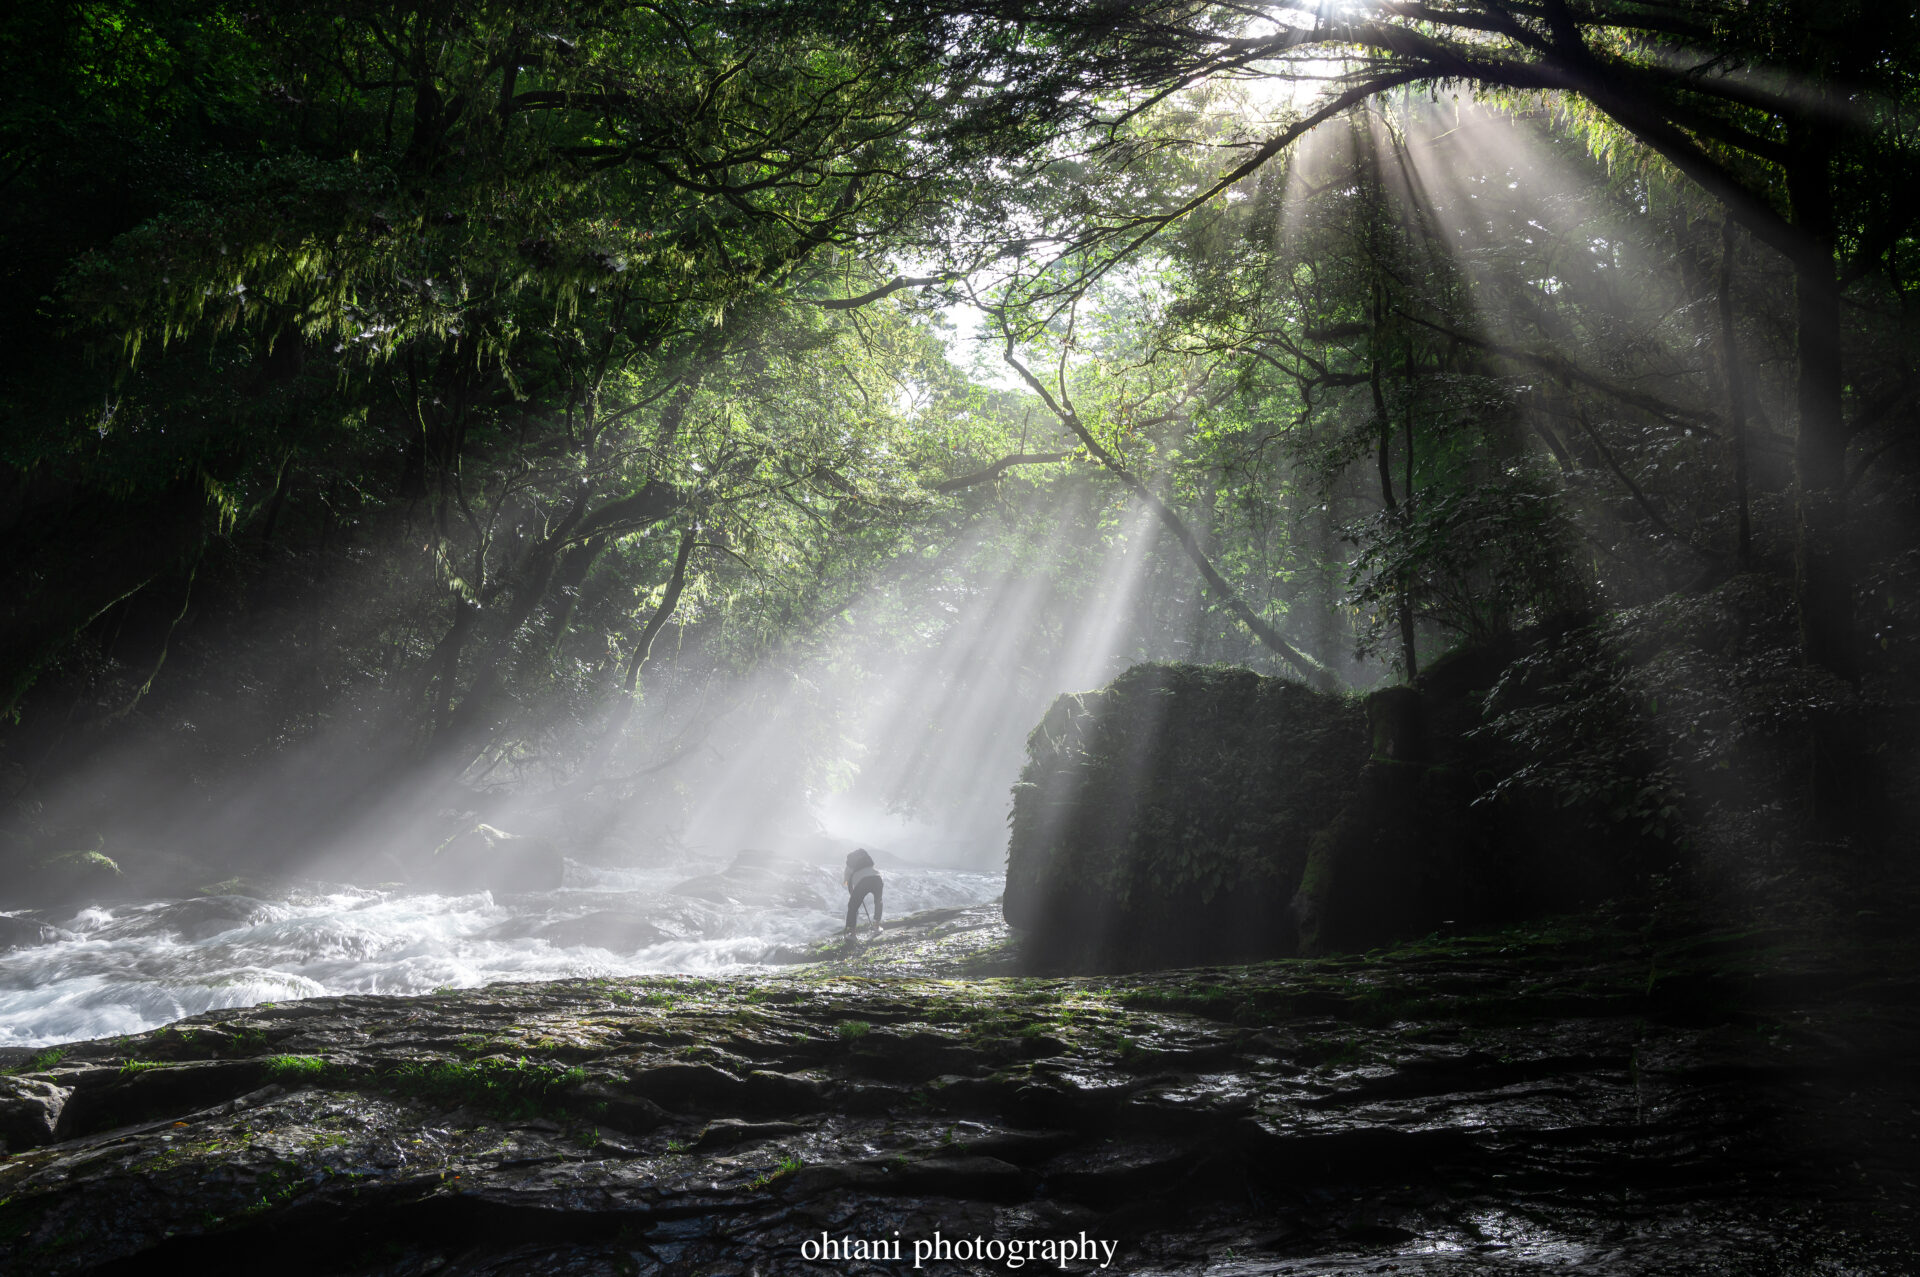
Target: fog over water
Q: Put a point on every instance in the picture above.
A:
(932, 734)
(131, 967)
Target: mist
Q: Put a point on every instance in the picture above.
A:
(1236, 638)
(898, 725)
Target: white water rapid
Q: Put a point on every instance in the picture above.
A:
(127, 967)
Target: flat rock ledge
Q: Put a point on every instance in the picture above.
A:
(1592, 1096)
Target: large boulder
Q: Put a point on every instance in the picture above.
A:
(482, 858)
(1409, 851)
(1185, 815)
(30, 1111)
(1166, 819)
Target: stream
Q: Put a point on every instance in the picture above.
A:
(1601, 1095)
(127, 967)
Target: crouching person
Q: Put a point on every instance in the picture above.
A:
(861, 880)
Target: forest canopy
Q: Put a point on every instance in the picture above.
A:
(415, 408)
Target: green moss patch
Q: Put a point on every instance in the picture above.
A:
(506, 1087)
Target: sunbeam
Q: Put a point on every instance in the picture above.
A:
(737, 636)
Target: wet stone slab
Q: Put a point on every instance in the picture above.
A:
(1593, 1097)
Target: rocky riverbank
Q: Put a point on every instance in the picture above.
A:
(1605, 1095)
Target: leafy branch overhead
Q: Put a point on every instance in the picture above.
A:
(556, 394)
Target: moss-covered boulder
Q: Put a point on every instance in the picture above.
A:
(1185, 815)
(1165, 819)
(63, 878)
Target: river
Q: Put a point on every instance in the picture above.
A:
(125, 967)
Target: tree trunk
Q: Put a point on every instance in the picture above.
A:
(446, 662)
(669, 601)
(1206, 532)
(1376, 341)
(1736, 399)
(1406, 521)
(617, 717)
(1823, 570)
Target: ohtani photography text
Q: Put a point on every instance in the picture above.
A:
(1014, 1252)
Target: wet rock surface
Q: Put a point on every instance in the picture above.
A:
(1604, 1096)
(971, 940)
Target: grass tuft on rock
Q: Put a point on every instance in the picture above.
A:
(296, 1069)
(505, 1087)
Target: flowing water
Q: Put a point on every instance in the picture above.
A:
(127, 967)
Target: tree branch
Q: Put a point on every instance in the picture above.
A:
(1313, 671)
(1696, 418)
(999, 468)
(887, 289)
(1640, 498)
(662, 614)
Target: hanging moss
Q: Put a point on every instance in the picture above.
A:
(1165, 819)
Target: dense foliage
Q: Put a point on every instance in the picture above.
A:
(413, 404)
